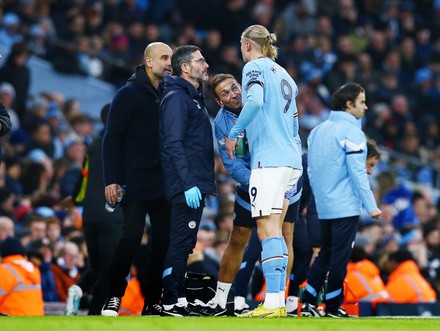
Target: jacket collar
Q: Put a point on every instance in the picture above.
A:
(343, 115)
(141, 79)
(172, 82)
(232, 112)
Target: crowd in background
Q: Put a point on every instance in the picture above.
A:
(391, 47)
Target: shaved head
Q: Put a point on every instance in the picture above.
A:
(157, 57)
(6, 227)
(153, 48)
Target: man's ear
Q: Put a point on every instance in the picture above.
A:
(148, 62)
(219, 102)
(348, 104)
(184, 67)
(248, 45)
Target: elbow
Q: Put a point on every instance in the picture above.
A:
(254, 105)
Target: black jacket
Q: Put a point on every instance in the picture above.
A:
(20, 78)
(187, 148)
(5, 122)
(131, 150)
(89, 189)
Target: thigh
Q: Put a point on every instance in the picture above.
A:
(242, 210)
(326, 237)
(90, 230)
(267, 188)
(134, 217)
(185, 222)
(159, 212)
(343, 235)
(292, 213)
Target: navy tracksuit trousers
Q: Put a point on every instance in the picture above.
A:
(185, 223)
(337, 239)
(251, 255)
(302, 255)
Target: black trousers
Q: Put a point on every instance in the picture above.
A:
(102, 237)
(337, 239)
(134, 223)
(302, 255)
(185, 223)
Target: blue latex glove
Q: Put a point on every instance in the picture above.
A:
(193, 197)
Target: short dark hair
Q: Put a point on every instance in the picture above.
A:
(182, 54)
(372, 150)
(218, 79)
(344, 93)
(400, 256)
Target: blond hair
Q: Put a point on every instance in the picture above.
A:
(263, 38)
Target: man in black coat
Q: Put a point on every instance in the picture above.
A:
(187, 151)
(5, 121)
(102, 230)
(17, 73)
(131, 157)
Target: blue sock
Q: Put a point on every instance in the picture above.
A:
(285, 261)
(272, 263)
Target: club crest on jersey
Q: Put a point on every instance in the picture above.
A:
(192, 224)
(253, 74)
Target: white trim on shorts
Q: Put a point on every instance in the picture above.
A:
(267, 187)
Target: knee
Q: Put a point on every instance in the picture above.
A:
(239, 238)
(288, 232)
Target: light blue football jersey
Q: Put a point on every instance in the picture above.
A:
(273, 134)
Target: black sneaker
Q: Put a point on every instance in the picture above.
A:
(153, 310)
(180, 311)
(340, 313)
(111, 308)
(209, 309)
(293, 313)
(242, 310)
(309, 310)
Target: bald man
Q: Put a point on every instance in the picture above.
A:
(131, 157)
(6, 228)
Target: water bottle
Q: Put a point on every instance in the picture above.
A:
(241, 148)
(110, 207)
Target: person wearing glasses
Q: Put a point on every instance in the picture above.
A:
(187, 152)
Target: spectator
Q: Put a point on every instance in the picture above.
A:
(6, 228)
(7, 200)
(65, 269)
(10, 33)
(16, 72)
(41, 253)
(7, 98)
